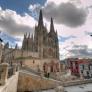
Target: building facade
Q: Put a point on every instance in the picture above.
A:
(81, 67)
(43, 42)
(41, 50)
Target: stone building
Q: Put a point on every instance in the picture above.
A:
(43, 42)
(8, 54)
(80, 67)
(41, 50)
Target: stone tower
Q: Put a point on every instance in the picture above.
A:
(53, 41)
(24, 43)
(40, 31)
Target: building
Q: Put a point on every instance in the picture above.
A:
(43, 42)
(41, 50)
(80, 67)
(45, 46)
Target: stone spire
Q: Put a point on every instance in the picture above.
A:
(40, 22)
(6, 45)
(25, 35)
(51, 25)
(24, 43)
(16, 46)
(29, 35)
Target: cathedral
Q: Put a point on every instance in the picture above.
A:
(44, 42)
(39, 50)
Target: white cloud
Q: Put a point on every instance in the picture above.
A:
(21, 24)
(81, 38)
(56, 1)
(14, 23)
(86, 2)
(33, 7)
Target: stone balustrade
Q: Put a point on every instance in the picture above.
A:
(3, 73)
(6, 71)
(11, 84)
(76, 82)
(30, 82)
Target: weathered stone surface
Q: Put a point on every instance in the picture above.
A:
(10, 85)
(3, 73)
(31, 82)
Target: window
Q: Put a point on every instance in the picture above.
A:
(81, 71)
(83, 67)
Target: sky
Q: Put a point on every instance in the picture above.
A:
(72, 20)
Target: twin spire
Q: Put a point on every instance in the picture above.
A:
(51, 25)
(40, 22)
(27, 35)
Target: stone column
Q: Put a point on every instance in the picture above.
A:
(3, 73)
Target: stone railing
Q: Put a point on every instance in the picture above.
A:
(8, 78)
(31, 82)
(3, 73)
(76, 82)
(6, 72)
(11, 84)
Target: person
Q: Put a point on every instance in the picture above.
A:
(21, 63)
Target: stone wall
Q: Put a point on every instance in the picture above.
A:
(36, 63)
(33, 63)
(31, 82)
(10, 85)
(24, 53)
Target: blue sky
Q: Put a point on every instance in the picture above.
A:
(20, 6)
(72, 20)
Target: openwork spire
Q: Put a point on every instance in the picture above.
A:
(51, 25)
(40, 22)
(29, 35)
(25, 35)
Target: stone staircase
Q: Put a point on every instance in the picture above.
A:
(30, 81)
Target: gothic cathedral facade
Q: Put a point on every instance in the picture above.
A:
(43, 42)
